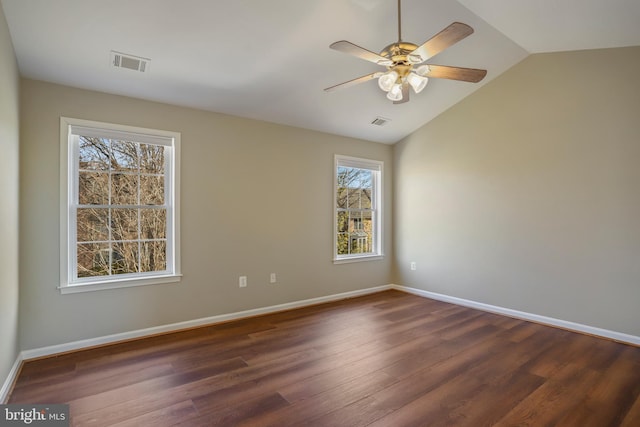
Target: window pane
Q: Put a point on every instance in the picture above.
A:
(342, 221)
(360, 237)
(124, 156)
(124, 224)
(124, 258)
(365, 179)
(92, 225)
(356, 223)
(343, 176)
(151, 159)
(354, 198)
(154, 256)
(341, 197)
(365, 198)
(93, 188)
(124, 189)
(367, 221)
(94, 153)
(153, 223)
(343, 244)
(360, 242)
(152, 190)
(93, 259)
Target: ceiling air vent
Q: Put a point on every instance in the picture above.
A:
(380, 121)
(131, 62)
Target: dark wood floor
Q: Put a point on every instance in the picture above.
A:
(388, 359)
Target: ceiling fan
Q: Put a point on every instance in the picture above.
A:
(402, 60)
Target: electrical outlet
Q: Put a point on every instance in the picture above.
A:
(413, 265)
(242, 282)
(272, 278)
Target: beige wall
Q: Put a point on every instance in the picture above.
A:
(526, 195)
(9, 188)
(256, 199)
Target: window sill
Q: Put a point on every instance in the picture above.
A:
(116, 284)
(358, 259)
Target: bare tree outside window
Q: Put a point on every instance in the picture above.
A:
(121, 214)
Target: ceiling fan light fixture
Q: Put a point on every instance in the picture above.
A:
(387, 80)
(417, 82)
(414, 58)
(395, 93)
(385, 62)
(423, 70)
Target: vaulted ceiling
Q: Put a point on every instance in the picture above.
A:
(270, 60)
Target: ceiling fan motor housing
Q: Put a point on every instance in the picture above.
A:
(398, 52)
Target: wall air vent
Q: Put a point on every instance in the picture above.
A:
(131, 62)
(380, 121)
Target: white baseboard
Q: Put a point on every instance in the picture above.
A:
(564, 324)
(140, 333)
(8, 382)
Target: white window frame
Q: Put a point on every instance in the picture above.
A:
(69, 128)
(377, 203)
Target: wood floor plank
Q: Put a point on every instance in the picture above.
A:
(435, 406)
(301, 412)
(242, 411)
(104, 399)
(322, 397)
(169, 415)
(481, 410)
(421, 396)
(385, 359)
(553, 399)
(85, 385)
(632, 418)
(128, 409)
(619, 383)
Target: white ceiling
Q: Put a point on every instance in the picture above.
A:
(270, 60)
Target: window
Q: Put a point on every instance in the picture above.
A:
(119, 203)
(358, 209)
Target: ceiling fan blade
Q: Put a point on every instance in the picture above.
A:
(445, 38)
(405, 94)
(353, 82)
(472, 75)
(362, 53)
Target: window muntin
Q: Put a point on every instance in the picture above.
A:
(120, 206)
(358, 218)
